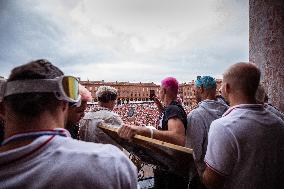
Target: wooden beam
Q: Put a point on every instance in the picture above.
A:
(167, 156)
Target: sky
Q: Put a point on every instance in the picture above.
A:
(126, 40)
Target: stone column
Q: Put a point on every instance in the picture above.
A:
(266, 46)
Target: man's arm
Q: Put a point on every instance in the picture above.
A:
(212, 179)
(174, 134)
(221, 155)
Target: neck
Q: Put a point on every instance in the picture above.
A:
(44, 122)
(209, 96)
(168, 100)
(105, 105)
(241, 99)
(14, 126)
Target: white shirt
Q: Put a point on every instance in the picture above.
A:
(63, 162)
(246, 146)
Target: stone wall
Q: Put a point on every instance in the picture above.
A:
(266, 48)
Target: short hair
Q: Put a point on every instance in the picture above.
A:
(32, 104)
(106, 94)
(244, 77)
(170, 83)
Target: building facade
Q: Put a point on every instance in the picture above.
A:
(140, 92)
(127, 92)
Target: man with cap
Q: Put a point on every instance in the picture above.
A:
(172, 129)
(199, 119)
(38, 152)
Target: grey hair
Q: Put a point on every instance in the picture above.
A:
(105, 90)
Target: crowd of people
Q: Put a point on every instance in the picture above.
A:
(140, 114)
(237, 138)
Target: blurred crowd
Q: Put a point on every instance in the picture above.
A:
(140, 114)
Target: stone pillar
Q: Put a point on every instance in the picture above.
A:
(266, 46)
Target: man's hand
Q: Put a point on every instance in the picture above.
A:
(128, 131)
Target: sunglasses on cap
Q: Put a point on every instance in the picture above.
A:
(64, 88)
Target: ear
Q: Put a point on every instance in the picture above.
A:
(65, 106)
(227, 88)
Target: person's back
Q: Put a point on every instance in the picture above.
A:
(256, 148)
(65, 162)
(209, 108)
(246, 146)
(199, 121)
(89, 130)
(37, 152)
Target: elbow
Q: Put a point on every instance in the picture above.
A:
(212, 180)
(181, 140)
(207, 182)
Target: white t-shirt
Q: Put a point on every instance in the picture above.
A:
(246, 146)
(66, 163)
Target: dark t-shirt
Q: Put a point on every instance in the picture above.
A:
(163, 178)
(174, 110)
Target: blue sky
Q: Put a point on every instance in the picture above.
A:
(126, 40)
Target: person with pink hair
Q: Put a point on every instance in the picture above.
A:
(172, 128)
(75, 113)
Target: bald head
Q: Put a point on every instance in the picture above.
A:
(243, 77)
